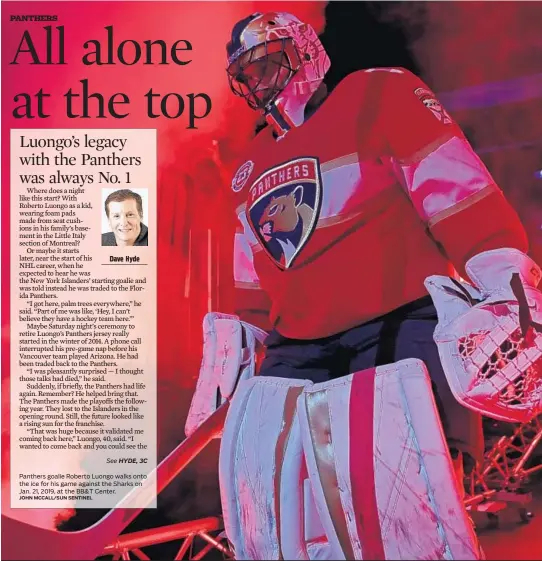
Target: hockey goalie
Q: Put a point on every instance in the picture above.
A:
(386, 276)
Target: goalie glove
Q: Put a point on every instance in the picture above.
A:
(489, 335)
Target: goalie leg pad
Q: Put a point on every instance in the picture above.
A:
(380, 469)
(256, 437)
(301, 532)
(462, 426)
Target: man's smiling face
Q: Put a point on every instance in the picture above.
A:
(125, 221)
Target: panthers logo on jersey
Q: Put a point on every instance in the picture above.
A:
(283, 208)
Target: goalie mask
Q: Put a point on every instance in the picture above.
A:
(276, 63)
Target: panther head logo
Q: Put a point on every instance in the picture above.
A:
(284, 216)
(286, 223)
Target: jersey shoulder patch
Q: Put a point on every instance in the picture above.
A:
(242, 175)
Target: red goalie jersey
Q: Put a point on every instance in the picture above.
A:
(343, 218)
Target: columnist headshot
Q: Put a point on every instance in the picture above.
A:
(123, 222)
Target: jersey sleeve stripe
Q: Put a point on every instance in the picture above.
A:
(444, 178)
(464, 204)
(421, 154)
(339, 162)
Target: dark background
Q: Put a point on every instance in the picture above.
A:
(364, 35)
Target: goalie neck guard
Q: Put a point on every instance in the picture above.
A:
(276, 63)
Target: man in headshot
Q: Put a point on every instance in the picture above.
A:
(124, 210)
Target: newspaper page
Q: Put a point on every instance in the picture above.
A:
(270, 280)
(83, 272)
